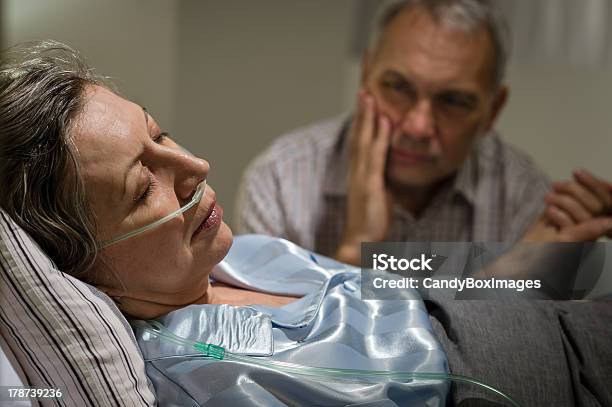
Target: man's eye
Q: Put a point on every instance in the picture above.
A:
(400, 87)
(457, 101)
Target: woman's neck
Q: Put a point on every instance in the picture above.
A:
(150, 307)
(225, 294)
(213, 294)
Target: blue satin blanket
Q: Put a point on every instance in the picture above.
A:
(330, 326)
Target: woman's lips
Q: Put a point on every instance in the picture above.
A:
(212, 220)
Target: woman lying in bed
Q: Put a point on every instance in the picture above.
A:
(85, 172)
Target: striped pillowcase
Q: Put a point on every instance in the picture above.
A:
(64, 333)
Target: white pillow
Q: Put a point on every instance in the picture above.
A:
(11, 376)
(64, 333)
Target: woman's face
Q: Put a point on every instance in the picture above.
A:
(134, 176)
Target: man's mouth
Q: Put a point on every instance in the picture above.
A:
(410, 157)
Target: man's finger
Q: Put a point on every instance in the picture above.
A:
(380, 147)
(559, 217)
(587, 198)
(365, 134)
(369, 122)
(590, 230)
(599, 187)
(569, 205)
(356, 122)
(361, 134)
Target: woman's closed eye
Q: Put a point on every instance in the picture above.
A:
(161, 137)
(151, 184)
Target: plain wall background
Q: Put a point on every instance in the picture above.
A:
(251, 70)
(226, 77)
(133, 42)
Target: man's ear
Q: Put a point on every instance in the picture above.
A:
(498, 104)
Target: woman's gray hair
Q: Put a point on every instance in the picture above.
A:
(464, 15)
(42, 91)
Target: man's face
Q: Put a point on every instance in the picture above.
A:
(435, 84)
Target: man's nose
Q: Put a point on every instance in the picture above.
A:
(419, 122)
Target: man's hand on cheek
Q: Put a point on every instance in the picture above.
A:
(369, 203)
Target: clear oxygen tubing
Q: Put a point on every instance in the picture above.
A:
(156, 329)
(197, 197)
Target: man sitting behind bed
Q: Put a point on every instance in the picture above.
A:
(418, 161)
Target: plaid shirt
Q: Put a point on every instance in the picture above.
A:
(297, 190)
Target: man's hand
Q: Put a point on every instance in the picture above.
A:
(545, 231)
(578, 201)
(369, 203)
(577, 210)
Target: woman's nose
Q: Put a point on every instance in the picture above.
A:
(189, 172)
